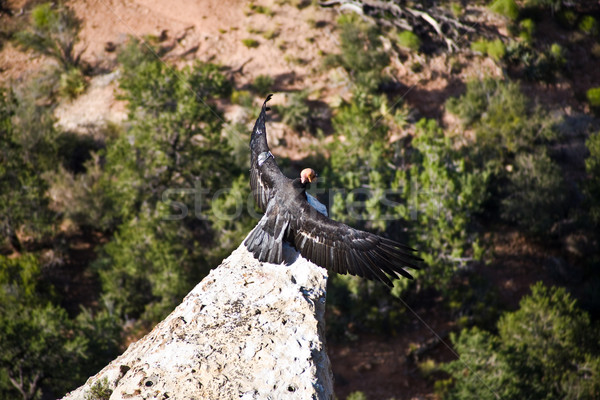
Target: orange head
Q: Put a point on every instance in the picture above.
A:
(308, 174)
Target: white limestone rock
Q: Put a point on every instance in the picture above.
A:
(249, 330)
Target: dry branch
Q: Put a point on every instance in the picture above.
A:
(436, 21)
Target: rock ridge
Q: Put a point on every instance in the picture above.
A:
(249, 330)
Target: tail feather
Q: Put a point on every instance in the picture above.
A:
(265, 241)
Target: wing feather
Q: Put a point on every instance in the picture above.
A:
(264, 172)
(343, 249)
(265, 241)
(327, 243)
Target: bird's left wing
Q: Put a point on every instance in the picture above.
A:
(264, 172)
(345, 250)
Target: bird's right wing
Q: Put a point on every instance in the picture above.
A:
(264, 172)
(345, 250)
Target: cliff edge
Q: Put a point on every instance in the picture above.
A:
(249, 330)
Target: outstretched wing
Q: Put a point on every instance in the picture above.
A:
(264, 172)
(345, 250)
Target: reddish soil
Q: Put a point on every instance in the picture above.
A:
(291, 42)
(383, 368)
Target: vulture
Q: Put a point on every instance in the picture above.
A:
(293, 216)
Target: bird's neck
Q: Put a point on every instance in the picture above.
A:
(299, 186)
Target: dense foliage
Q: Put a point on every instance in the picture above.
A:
(172, 151)
(149, 188)
(545, 350)
(158, 200)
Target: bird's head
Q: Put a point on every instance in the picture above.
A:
(308, 175)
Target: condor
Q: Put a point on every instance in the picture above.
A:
(292, 217)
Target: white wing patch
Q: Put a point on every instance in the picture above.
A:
(264, 156)
(316, 204)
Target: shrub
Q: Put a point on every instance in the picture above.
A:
(296, 113)
(250, 43)
(53, 33)
(495, 49)
(242, 97)
(263, 84)
(508, 8)
(538, 65)
(442, 195)
(547, 349)
(409, 40)
(588, 25)
(72, 83)
(504, 121)
(567, 18)
(536, 194)
(358, 395)
(457, 9)
(271, 34)
(100, 390)
(261, 9)
(592, 182)
(527, 29)
(593, 96)
(361, 52)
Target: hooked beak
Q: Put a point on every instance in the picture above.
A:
(308, 174)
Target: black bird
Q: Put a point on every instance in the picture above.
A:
(290, 217)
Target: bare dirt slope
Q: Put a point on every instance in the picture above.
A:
(291, 42)
(206, 30)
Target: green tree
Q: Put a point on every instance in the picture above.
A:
(37, 336)
(508, 8)
(592, 183)
(537, 194)
(504, 121)
(361, 157)
(511, 140)
(25, 151)
(53, 33)
(296, 113)
(547, 349)
(443, 193)
(102, 329)
(146, 268)
(173, 138)
(361, 170)
(35, 340)
(157, 182)
(361, 160)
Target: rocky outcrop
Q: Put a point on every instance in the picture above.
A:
(249, 330)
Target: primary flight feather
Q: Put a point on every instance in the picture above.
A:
(290, 217)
